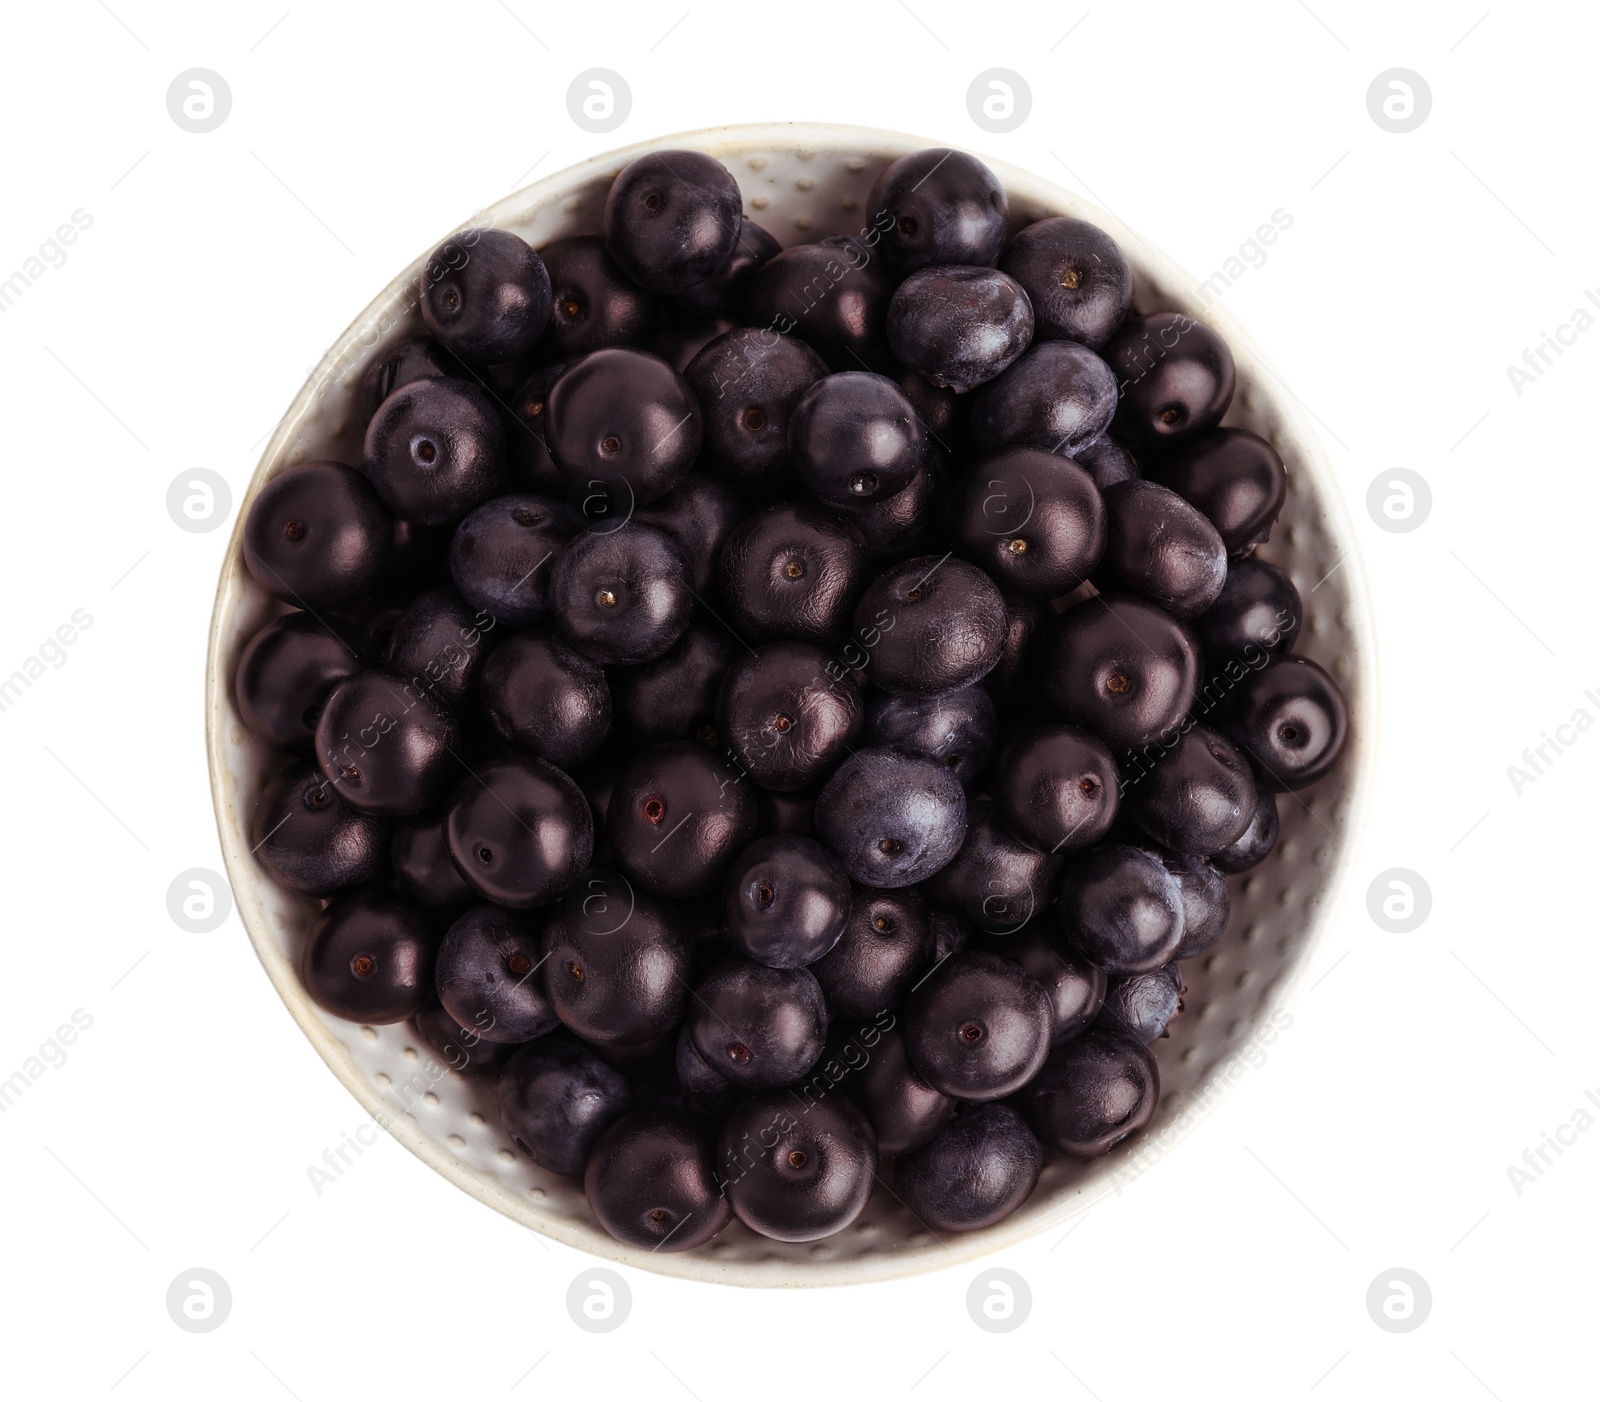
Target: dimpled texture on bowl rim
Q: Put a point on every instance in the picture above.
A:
(803, 181)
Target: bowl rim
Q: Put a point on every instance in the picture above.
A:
(1317, 478)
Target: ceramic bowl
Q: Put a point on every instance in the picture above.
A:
(803, 181)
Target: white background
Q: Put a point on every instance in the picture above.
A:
(1377, 1134)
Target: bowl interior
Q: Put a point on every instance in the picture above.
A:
(803, 182)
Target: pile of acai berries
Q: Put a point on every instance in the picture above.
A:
(781, 708)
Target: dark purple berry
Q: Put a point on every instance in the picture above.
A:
(787, 901)
(519, 830)
(651, 1183)
(892, 819)
(1175, 379)
(978, 1027)
(309, 840)
(434, 450)
(978, 1170)
(287, 670)
(488, 976)
(786, 715)
(1122, 908)
(317, 536)
(485, 295)
(369, 957)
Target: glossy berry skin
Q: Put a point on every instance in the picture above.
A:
(309, 840)
(317, 536)
(722, 294)
(592, 304)
(1075, 275)
(797, 1173)
(959, 326)
(440, 642)
(1141, 1005)
(434, 450)
(386, 747)
(556, 1099)
(787, 901)
(423, 871)
(678, 815)
(650, 1180)
(1093, 1092)
(794, 570)
(369, 957)
(1194, 797)
(886, 946)
(460, 1048)
(748, 382)
(286, 671)
(519, 831)
(1235, 479)
(1205, 903)
(786, 715)
(671, 219)
(978, 1027)
(621, 596)
(617, 967)
(487, 976)
(1161, 548)
(939, 206)
(854, 437)
(1107, 461)
(930, 625)
(703, 1087)
(957, 728)
(995, 882)
(1291, 721)
(1119, 667)
(907, 523)
(1056, 396)
(1056, 787)
(833, 299)
(1175, 377)
(1122, 909)
(502, 553)
(869, 1064)
(543, 699)
(1257, 612)
(529, 466)
(418, 358)
(626, 420)
(675, 697)
(1075, 987)
(1255, 844)
(700, 513)
(1032, 520)
(978, 1170)
(485, 295)
(892, 819)
(757, 1026)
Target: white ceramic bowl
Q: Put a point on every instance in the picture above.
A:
(803, 181)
